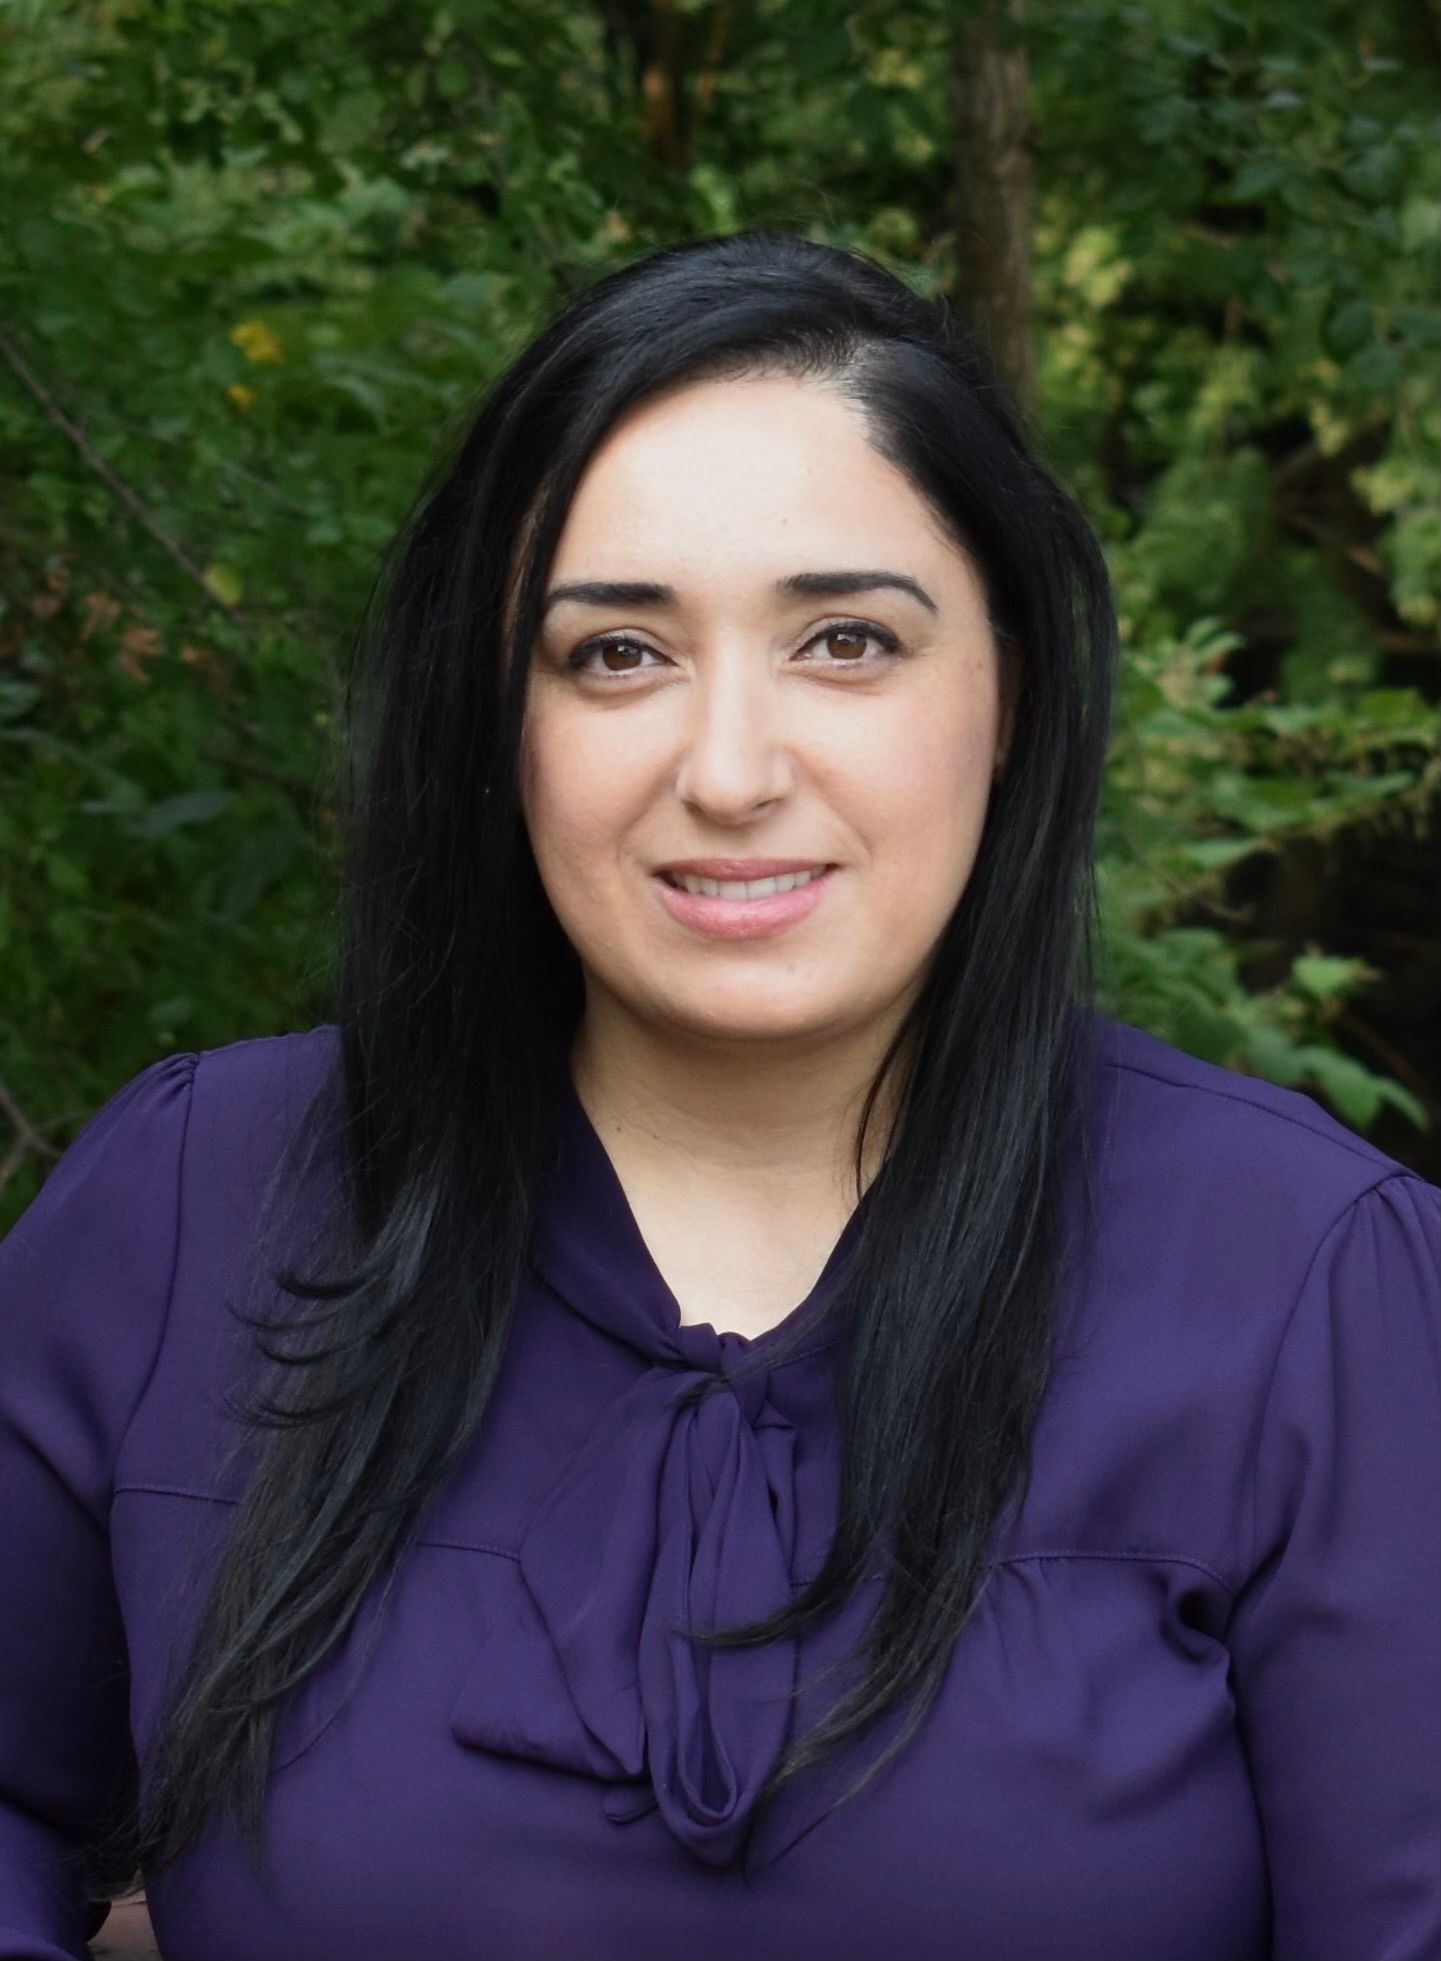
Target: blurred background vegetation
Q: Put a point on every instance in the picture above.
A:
(258, 259)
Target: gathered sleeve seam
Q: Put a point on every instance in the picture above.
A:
(1343, 1217)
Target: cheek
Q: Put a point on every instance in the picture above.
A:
(928, 775)
(551, 795)
(575, 796)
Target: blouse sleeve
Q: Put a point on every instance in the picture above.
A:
(1336, 1631)
(85, 1278)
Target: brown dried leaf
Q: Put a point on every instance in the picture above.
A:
(100, 611)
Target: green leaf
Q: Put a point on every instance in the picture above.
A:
(17, 697)
(1375, 174)
(452, 79)
(1213, 853)
(72, 881)
(259, 862)
(225, 583)
(168, 1015)
(1378, 366)
(1258, 175)
(1329, 976)
(1418, 326)
(192, 807)
(1351, 326)
(1164, 120)
(1352, 1089)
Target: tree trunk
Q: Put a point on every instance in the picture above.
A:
(994, 137)
(652, 38)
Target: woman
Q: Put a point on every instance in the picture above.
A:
(804, 1439)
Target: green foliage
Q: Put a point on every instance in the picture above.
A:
(260, 258)
(1251, 299)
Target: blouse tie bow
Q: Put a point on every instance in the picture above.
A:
(679, 1507)
(672, 1512)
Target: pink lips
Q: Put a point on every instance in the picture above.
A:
(743, 919)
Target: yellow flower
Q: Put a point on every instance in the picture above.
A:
(256, 342)
(243, 397)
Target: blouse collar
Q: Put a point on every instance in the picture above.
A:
(589, 1249)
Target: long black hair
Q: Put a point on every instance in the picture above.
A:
(457, 996)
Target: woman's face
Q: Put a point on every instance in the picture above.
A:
(726, 717)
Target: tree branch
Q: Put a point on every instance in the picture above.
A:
(27, 1138)
(114, 483)
(1388, 1053)
(262, 484)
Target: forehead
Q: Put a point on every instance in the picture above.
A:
(755, 475)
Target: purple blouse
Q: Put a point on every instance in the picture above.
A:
(1195, 1717)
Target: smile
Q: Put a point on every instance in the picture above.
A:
(757, 909)
(755, 888)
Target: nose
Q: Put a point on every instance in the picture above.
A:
(735, 750)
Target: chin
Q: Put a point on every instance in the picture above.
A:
(742, 1021)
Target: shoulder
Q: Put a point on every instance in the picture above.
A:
(1168, 1092)
(267, 1074)
(188, 1121)
(1260, 1284)
(252, 1104)
(1186, 1136)
(291, 1063)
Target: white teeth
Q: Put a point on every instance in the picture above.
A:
(756, 888)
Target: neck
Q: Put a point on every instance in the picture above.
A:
(761, 1121)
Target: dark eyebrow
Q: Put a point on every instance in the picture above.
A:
(796, 585)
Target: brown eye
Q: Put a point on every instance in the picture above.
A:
(623, 652)
(622, 656)
(851, 637)
(580, 660)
